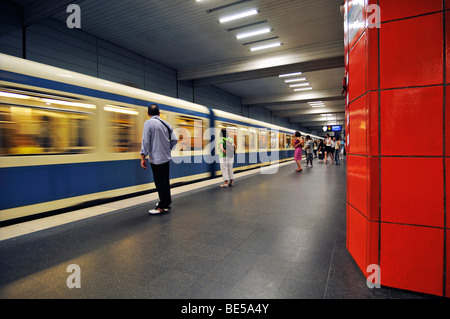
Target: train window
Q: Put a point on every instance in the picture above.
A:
(37, 124)
(288, 141)
(122, 123)
(244, 139)
(251, 138)
(273, 139)
(192, 138)
(262, 139)
(281, 141)
(248, 138)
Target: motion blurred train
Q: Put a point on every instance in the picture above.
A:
(69, 139)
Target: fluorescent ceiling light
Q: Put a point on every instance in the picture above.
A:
(252, 33)
(295, 80)
(238, 15)
(318, 105)
(290, 74)
(267, 46)
(299, 84)
(315, 102)
(303, 89)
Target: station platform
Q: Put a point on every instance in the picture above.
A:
(277, 236)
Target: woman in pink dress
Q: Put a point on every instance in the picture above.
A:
(298, 150)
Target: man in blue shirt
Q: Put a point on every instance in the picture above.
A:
(158, 140)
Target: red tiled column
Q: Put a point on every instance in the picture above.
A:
(398, 126)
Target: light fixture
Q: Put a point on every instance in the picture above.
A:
(238, 15)
(289, 74)
(295, 80)
(315, 102)
(303, 89)
(299, 84)
(252, 33)
(267, 46)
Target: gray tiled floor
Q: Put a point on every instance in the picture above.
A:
(271, 236)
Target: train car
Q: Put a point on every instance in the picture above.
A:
(69, 139)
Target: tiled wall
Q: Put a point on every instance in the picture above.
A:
(398, 108)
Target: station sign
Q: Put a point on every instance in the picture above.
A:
(332, 128)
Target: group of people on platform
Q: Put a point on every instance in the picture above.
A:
(158, 139)
(332, 148)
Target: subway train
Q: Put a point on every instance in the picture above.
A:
(69, 139)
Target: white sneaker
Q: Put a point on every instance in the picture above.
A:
(156, 211)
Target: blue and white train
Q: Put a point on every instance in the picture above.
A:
(69, 139)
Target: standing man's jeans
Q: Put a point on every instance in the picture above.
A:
(162, 182)
(336, 156)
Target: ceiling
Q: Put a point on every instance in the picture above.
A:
(186, 35)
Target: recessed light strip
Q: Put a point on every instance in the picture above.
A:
(252, 33)
(238, 15)
(299, 84)
(266, 46)
(295, 80)
(289, 74)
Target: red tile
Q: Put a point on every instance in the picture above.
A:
(372, 58)
(447, 35)
(357, 69)
(447, 121)
(412, 258)
(447, 196)
(362, 239)
(398, 9)
(357, 237)
(412, 191)
(357, 182)
(372, 124)
(373, 244)
(358, 126)
(412, 121)
(411, 52)
(373, 188)
(447, 285)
